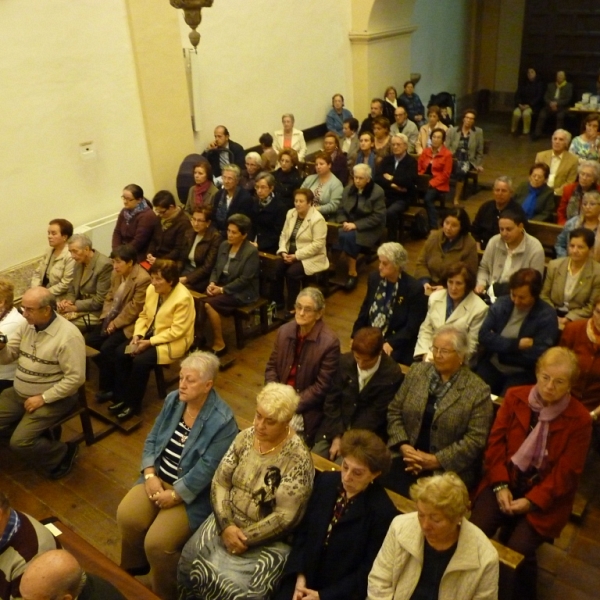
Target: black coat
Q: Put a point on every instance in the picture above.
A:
(236, 157)
(241, 203)
(408, 313)
(242, 282)
(347, 408)
(267, 224)
(405, 176)
(340, 570)
(286, 183)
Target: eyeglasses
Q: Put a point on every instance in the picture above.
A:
(589, 204)
(304, 309)
(198, 220)
(443, 352)
(126, 199)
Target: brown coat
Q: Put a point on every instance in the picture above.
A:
(166, 243)
(134, 297)
(205, 256)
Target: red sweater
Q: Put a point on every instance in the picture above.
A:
(441, 167)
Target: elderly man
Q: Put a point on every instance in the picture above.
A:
(224, 151)
(557, 100)
(376, 111)
(21, 538)
(485, 224)
(404, 125)
(56, 575)
(563, 164)
(364, 385)
(50, 368)
(397, 175)
(231, 199)
(91, 281)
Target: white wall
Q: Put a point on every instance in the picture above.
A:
(67, 77)
(439, 46)
(262, 58)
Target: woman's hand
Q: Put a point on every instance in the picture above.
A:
(388, 349)
(214, 290)
(234, 539)
(300, 586)
(525, 343)
(153, 486)
(417, 461)
(183, 280)
(334, 449)
(520, 506)
(288, 258)
(150, 258)
(305, 594)
(140, 346)
(348, 226)
(254, 244)
(66, 306)
(505, 498)
(165, 499)
(111, 328)
(388, 176)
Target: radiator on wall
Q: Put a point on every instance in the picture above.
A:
(100, 232)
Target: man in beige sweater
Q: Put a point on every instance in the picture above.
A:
(50, 355)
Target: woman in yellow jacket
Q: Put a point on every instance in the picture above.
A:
(163, 333)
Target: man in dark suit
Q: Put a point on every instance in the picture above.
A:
(557, 100)
(223, 151)
(376, 111)
(397, 175)
(364, 385)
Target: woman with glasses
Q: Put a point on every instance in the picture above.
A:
(535, 196)
(268, 214)
(440, 417)
(588, 176)
(306, 356)
(589, 217)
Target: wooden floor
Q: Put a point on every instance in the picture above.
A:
(87, 499)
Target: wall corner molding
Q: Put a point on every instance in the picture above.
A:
(368, 37)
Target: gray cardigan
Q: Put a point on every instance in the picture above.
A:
(331, 193)
(475, 143)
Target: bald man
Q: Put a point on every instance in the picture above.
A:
(50, 355)
(56, 575)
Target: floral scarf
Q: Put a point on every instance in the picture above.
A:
(128, 214)
(382, 308)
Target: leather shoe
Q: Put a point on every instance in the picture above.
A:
(116, 407)
(125, 414)
(351, 283)
(104, 397)
(66, 464)
(136, 571)
(221, 352)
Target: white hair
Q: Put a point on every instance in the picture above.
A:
(395, 253)
(362, 169)
(206, 364)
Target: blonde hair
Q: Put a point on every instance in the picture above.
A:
(560, 356)
(7, 293)
(279, 401)
(446, 492)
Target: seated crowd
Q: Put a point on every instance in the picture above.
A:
(220, 514)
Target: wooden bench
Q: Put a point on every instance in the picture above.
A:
(93, 561)
(546, 233)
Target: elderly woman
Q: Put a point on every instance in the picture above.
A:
(55, 270)
(231, 199)
(440, 417)
(535, 196)
(435, 552)
(395, 303)
(254, 166)
(381, 138)
(289, 137)
(136, 221)
(163, 333)
(517, 330)
(587, 145)
(199, 250)
(268, 214)
(366, 149)
(454, 304)
(362, 215)
(344, 526)
(572, 282)
(287, 177)
(412, 103)
(337, 115)
(533, 460)
(259, 494)
(306, 356)
(443, 248)
(301, 246)
(122, 306)
(234, 279)
(433, 122)
(325, 186)
(171, 499)
(589, 218)
(203, 191)
(339, 163)
(390, 97)
(588, 179)
(10, 320)
(466, 144)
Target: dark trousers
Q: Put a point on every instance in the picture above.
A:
(393, 217)
(107, 344)
(431, 195)
(518, 535)
(293, 274)
(500, 382)
(132, 374)
(347, 243)
(397, 479)
(543, 117)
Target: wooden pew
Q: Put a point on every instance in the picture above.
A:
(546, 233)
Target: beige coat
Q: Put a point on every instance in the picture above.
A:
(310, 240)
(566, 172)
(59, 276)
(472, 573)
(298, 143)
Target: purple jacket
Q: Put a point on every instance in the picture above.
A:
(317, 367)
(138, 232)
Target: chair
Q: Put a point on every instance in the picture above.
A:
(79, 410)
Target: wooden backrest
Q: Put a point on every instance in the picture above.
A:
(269, 264)
(546, 233)
(333, 230)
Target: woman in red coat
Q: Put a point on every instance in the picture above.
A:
(437, 162)
(534, 457)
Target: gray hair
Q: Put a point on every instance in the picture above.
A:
(566, 134)
(593, 195)
(80, 240)
(362, 169)
(279, 401)
(255, 157)
(267, 177)
(315, 294)
(232, 169)
(290, 115)
(206, 364)
(402, 137)
(505, 179)
(395, 253)
(459, 338)
(590, 164)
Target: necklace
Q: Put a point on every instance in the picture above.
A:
(187, 411)
(275, 446)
